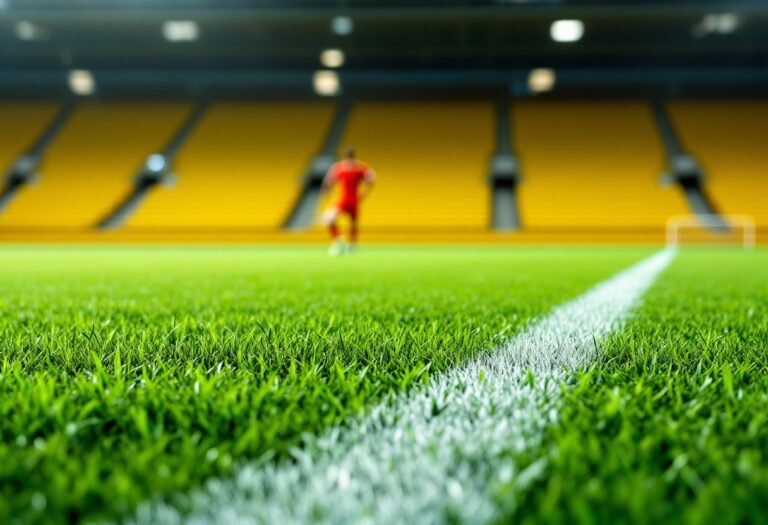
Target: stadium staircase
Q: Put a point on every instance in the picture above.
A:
(90, 165)
(431, 158)
(730, 140)
(592, 166)
(157, 170)
(304, 211)
(240, 169)
(25, 131)
(504, 174)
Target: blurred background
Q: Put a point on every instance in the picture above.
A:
(489, 121)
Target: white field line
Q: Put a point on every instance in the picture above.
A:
(437, 453)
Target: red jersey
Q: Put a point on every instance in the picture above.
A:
(349, 174)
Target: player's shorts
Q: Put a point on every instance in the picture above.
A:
(350, 208)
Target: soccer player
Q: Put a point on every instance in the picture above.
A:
(355, 181)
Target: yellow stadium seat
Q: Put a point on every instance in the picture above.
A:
(591, 165)
(90, 166)
(241, 168)
(431, 159)
(730, 141)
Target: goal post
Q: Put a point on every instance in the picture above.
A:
(711, 229)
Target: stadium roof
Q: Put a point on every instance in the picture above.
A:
(704, 42)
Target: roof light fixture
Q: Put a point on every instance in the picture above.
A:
(26, 30)
(181, 30)
(541, 80)
(332, 58)
(81, 82)
(326, 83)
(566, 30)
(717, 23)
(342, 25)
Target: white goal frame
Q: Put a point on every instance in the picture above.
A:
(677, 223)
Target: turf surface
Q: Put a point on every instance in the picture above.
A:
(670, 425)
(129, 373)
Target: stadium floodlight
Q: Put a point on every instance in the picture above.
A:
(326, 83)
(566, 30)
(342, 25)
(541, 80)
(26, 30)
(181, 30)
(81, 82)
(332, 58)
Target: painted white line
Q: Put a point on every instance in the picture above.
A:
(437, 453)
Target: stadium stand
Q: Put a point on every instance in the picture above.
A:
(730, 140)
(587, 166)
(591, 165)
(21, 123)
(432, 162)
(241, 167)
(91, 165)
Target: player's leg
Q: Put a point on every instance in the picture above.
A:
(352, 228)
(331, 219)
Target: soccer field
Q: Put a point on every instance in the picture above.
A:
(130, 377)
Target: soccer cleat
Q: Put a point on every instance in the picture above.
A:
(336, 249)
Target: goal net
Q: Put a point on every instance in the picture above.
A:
(713, 230)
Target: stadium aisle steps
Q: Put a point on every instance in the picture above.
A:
(591, 165)
(730, 141)
(241, 168)
(21, 124)
(91, 164)
(431, 159)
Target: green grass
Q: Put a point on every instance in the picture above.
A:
(671, 424)
(127, 373)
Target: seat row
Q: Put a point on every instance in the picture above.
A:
(585, 164)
